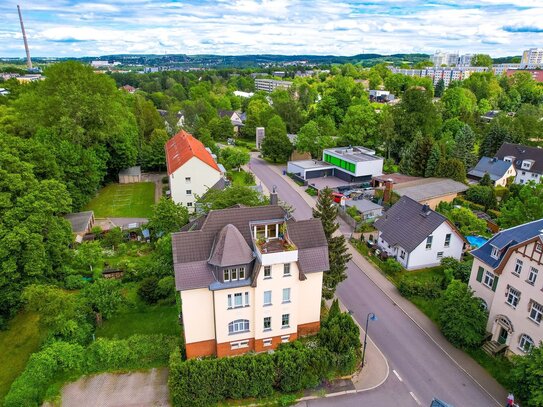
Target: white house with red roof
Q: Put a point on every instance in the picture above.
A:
(192, 170)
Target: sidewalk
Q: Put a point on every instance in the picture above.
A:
(461, 359)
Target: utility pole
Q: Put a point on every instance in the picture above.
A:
(28, 60)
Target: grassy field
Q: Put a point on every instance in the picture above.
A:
(124, 201)
(17, 343)
(241, 178)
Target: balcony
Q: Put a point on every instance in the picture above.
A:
(272, 244)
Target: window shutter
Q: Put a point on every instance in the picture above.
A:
(496, 278)
(480, 274)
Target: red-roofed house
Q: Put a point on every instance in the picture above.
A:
(191, 169)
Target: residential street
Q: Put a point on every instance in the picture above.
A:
(420, 369)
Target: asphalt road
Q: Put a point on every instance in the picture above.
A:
(420, 370)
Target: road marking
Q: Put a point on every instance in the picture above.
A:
(415, 398)
(397, 375)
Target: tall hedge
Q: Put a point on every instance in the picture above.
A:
(59, 358)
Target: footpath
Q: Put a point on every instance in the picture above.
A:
(460, 358)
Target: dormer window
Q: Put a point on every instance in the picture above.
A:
(495, 252)
(526, 164)
(508, 159)
(234, 274)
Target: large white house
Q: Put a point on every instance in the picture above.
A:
(527, 161)
(192, 170)
(249, 278)
(417, 236)
(505, 276)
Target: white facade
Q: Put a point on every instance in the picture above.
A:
(524, 173)
(269, 85)
(192, 180)
(513, 296)
(532, 56)
(357, 161)
(501, 69)
(443, 242)
(447, 74)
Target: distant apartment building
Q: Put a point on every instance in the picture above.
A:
(250, 278)
(505, 275)
(465, 60)
(447, 74)
(269, 85)
(537, 74)
(444, 58)
(532, 57)
(501, 69)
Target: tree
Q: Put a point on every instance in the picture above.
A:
(481, 60)
(313, 138)
(439, 89)
(339, 333)
(464, 146)
(452, 168)
(359, 124)
(459, 102)
(221, 128)
(168, 217)
(103, 297)
(416, 155)
(482, 195)
(234, 157)
(387, 130)
(527, 207)
(497, 135)
(234, 195)
(87, 256)
(288, 108)
(338, 257)
(153, 156)
(486, 181)
(113, 238)
(461, 317)
(466, 221)
(527, 376)
(434, 159)
(276, 145)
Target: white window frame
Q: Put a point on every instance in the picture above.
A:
(238, 326)
(518, 267)
(188, 191)
(189, 203)
(264, 324)
(448, 238)
(402, 254)
(429, 241)
(266, 304)
(439, 255)
(267, 269)
(286, 270)
(538, 247)
(267, 342)
(537, 310)
(285, 338)
(286, 299)
(495, 253)
(525, 340)
(532, 277)
(239, 345)
(513, 297)
(488, 279)
(287, 325)
(187, 180)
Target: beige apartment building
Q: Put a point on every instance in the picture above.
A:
(249, 279)
(507, 276)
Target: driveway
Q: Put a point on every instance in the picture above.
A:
(135, 389)
(422, 369)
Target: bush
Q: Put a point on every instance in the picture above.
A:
(311, 191)
(74, 282)
(456, 269)
(148, 290)
(410, 287)
(165, 180)
(391, 267)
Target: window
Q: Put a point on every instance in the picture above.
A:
(536, 312)
(189, 203)
(187, 180)
(402, 254)
(234, 274)
(525, 343)
(267, 323)
(439, 255)
(267, 272)
(286, 269)
(447, 240)
(538, 247)
(237, 326)
(241, 271)
(267, 342)
(226, 275)
(429, 242)
(489, 279)
(518, 267)
(533, 275)
(238, 300)
(286, 295)
(513, 297)
(267, 297)
(189, 192)
(495, 252)
(238, 345)
(285, 319)
(285, 338)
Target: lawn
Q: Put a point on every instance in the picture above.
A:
(241, 178)
(17, 343)
(124, 201)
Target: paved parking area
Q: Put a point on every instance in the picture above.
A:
(134, 389)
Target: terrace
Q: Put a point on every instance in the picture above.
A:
(271, 238)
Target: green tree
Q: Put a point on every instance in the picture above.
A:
(486, 181)
(481, 60)
(168, 217)
(459, 102)
(288, 108)
(466, 221)
(313, 138)
(113, 238)
(234, 195)
(233, 157)
(416, 155)
(452, 168)
(103, 297)
(153, 156)
(358, 125)
(482, 195)
(338, 256)
(461, 317)
(496, 136)
(434, 159)
(276, 145)
(527, 207)
(259, 113)
(339, 333)
(221, 128)
(464, 146)
(87, 256)
(387, 130)
(527, 377)
(439, 89)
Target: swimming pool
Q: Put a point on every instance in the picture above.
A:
(476, 241)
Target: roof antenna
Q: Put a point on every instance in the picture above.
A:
(28, 60)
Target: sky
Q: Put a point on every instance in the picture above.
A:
(319, 27)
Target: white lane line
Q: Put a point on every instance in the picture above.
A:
(397, 375)
(415, 398)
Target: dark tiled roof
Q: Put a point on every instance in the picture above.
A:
(521, 153)
(227, 113)
(495, 168)
(192, 246)
(79, 220)
(405, 224)
(230, 248)
(505, 239)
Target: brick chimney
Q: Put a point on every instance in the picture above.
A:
(274, 200)
(387, 195)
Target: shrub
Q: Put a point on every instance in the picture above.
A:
(456, 269)
(410, 287)
(165, 180)
(311, 191)
(391, 267)
(148, 290)
(74, 282)
(166, 288)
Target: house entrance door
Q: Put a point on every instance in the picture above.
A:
(502, 338)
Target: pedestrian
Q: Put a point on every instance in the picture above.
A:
(510, 400)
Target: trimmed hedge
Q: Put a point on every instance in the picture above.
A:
(63, 358)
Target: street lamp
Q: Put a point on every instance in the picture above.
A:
(370, 317)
